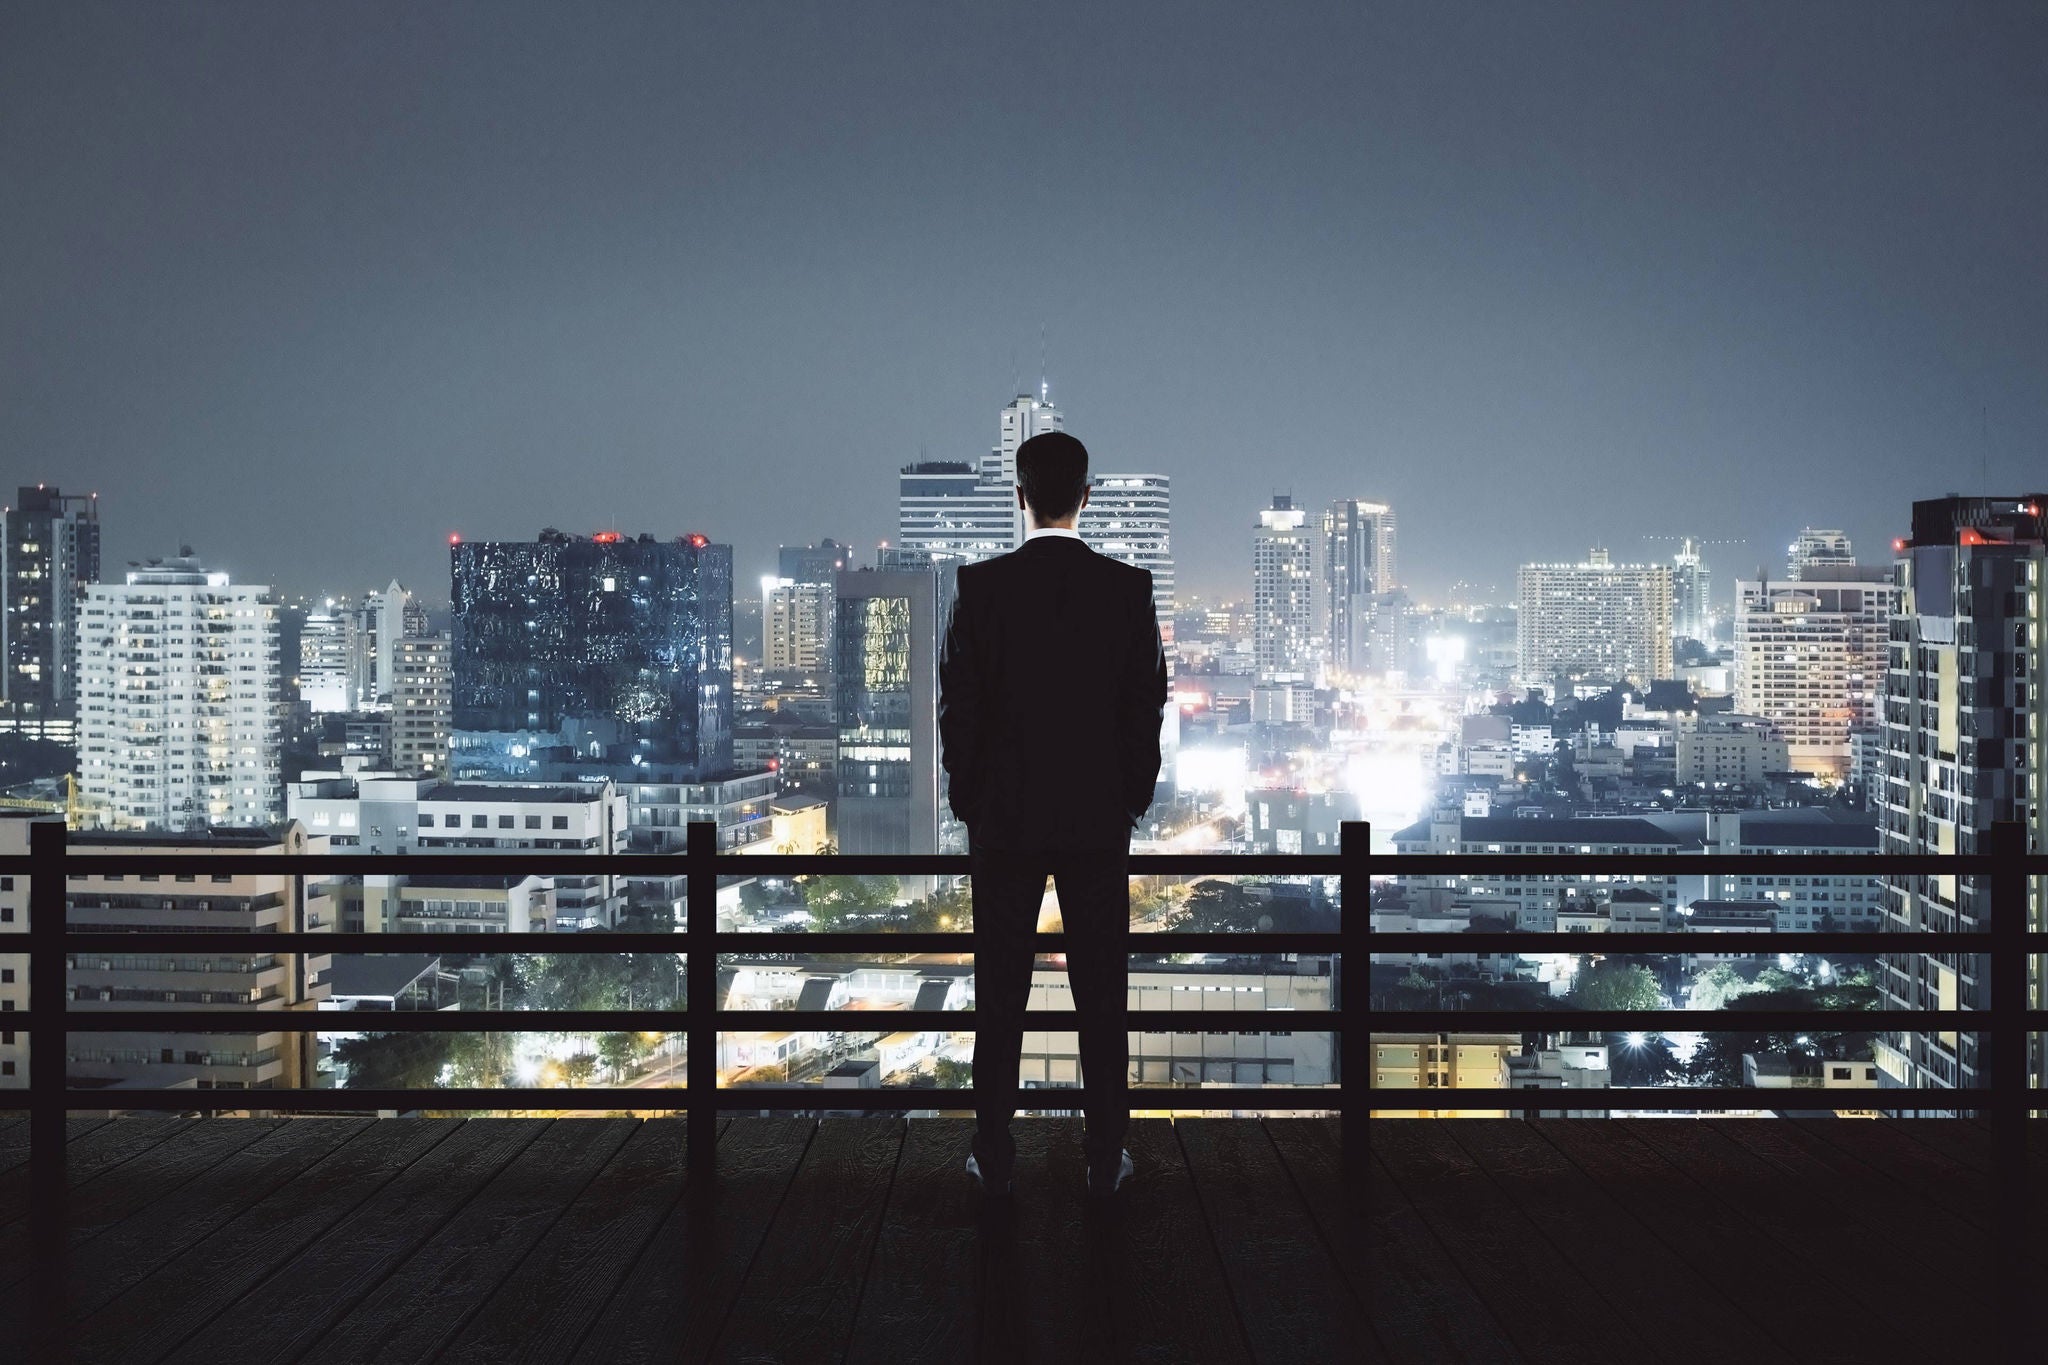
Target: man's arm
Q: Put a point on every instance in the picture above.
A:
(1141, 708)
(960, 703)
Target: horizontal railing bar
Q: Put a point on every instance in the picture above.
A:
(898, 1099)
(594, 863)
(226, 1019)
(892, 1098)
(215, 1019)
(1250, 943)
(727, 942)
(1676, 941)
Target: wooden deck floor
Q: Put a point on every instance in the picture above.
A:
(862, 1240)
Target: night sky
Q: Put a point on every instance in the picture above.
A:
(310, 287)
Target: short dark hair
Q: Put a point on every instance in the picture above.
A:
(1053, 467)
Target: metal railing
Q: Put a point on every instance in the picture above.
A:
(2008, 1099)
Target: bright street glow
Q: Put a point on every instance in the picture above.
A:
(1635, 1040)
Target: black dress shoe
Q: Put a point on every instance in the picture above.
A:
(993, 1183)
(1103, 1183)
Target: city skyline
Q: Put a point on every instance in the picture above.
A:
(1449, 260)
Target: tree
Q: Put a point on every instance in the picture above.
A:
(580, 1068)
(1713, 988)
(952, 1075)
(1214, 907)
(622, 1053)
(394, 1061)
(838, 900)
(1613, 986)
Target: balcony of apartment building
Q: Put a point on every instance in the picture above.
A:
(685, 1214)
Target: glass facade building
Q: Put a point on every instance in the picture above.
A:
(597, 648)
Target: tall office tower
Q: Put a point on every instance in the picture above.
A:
(251, 1057)
(796, 625)
(1130, 517)
(422, 702)
(380, 625)
(326, 648)
(1810, 659)
(1818, 550)
(1964, 726)
(605, 649)
(1691, 594)
(416, 625)
(951, 509)
(179, 725)
(890, 624)
(813, 563)
(49, 552)
(1358, 564)
(1283, 593)
(1595, 621)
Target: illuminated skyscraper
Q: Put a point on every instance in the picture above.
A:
(1358, 565)
(1594, 621)
(1818, 549)
(1964, 726)
(1810, 659)
(49, 553)
(1283, 593)
(604, 648)
(1691, 593)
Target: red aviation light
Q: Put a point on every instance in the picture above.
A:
(607, 537)
(454, 539)
(1898, 544)
(1972, 536)
(698, 542)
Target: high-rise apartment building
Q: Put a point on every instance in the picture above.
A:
(422, 705)
(1964, 729)
(1595, 621)
(952, 509)
(327, 649)
(606, 649)
(796, 625)
(1130, 517)
(179, 712)
(49, 552)
(1817, 549)
(1810, 659)
(157, 898)
(1358, 566)
(1283, 593)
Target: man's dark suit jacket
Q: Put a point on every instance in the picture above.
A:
(1051, 688)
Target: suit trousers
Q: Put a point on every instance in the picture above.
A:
(1095, 907)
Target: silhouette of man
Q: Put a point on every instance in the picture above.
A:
(1051, 687)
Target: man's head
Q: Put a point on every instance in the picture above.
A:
(1052, 478)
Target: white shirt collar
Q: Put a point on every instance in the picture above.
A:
(1053, 531)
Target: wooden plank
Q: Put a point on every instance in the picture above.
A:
(543, 1309)
(1293, 1302)
(1421, 1306)
(1727, 1250)
(919, 1297)
(799, 1299)
(1886, 1148)
(1856, 1190)
(1966, 1144)
(1169, 1297)
(13, 1144)
(429, 1297)
(292, 1308)
(165, 1161)
(1040, 1295)
(1312, 1151)
(1780, 1207)
(1605, 1245)
(94, 1147)
(169, 1305)
(673, 1302)
(1505, 1257)
(164, 1228)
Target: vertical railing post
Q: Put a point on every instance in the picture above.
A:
(1354, 978)
(48, 1043)
(2009, 1079)
(700, 1027)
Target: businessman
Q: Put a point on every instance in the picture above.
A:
(1051, 687)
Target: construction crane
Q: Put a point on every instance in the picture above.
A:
(72, 807)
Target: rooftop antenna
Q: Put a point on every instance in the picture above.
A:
(1042, 386)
